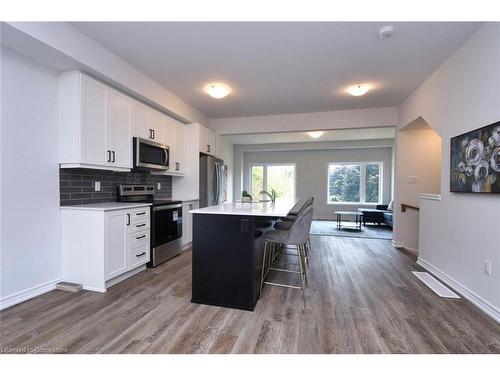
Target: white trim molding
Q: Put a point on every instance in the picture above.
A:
(397, 244)
(431, 197)
(469, 295)
(27, 294)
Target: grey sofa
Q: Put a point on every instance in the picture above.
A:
(378, 215)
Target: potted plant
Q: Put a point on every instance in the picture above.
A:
(245, 197)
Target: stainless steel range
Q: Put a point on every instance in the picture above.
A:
(166, 221)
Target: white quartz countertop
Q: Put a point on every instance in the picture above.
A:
(280, 208)
(185, 199)
(108, 206)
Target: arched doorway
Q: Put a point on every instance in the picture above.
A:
(417, 172)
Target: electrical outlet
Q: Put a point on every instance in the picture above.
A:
(487, 268)
(97, 185)
(159, 185)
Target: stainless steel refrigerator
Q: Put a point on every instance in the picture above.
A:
(213, 176)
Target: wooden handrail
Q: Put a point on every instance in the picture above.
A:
(404, 206)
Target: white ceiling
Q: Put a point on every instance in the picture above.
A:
(294, 137)
(283, 67)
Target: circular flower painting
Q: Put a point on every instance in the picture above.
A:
(475, 161)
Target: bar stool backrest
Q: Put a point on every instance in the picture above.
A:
(307, 203)
(299, 232)
(295, 209)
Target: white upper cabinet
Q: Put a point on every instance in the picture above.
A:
(207, 141)
(118, 129)
(155, 125)
(147, 123)
(180, 148)
(93, 121)
(97, 124)
(139, 120)
(176, 139)
(94, 128)
(169, 133)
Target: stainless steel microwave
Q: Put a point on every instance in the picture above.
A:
(150, 155)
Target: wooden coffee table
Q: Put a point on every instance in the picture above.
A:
(357, 217)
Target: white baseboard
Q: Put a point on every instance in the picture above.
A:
(328, 218)
(397, 244)
(119, 278)
(27, 294)
(411, 250)
(484, 305)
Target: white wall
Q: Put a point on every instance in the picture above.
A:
(359, 118)
(418, 155)
(311, 170)
(225, 151)
(30, 255)
(460, 232)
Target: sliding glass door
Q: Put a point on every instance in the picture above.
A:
(280, 177)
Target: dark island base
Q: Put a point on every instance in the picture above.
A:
(227, 259)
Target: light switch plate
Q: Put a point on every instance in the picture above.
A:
(97, 185)
(413, 180)
(487, 268)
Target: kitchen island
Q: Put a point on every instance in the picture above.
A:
(228, 249)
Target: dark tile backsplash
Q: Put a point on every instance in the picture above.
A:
(76, 185)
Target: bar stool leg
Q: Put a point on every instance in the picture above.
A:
(263, 273)
(299, 255)
(306, 253)
(304, 259)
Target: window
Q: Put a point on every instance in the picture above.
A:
(280, 177)
(355, 182)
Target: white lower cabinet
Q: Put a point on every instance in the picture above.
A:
(115, 244)
(101, 247)
(187, 221)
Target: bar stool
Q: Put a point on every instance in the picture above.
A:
(292, 215)
(296, 236)
(288, 222)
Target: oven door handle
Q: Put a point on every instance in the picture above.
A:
(168, 207)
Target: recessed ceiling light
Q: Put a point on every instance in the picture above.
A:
(385, 32)
(316, 134)
(217, 90)
(358, 90)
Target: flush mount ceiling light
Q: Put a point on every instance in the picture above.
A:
(358, 90)
(385, 32)
(217, 90)
(316, 134)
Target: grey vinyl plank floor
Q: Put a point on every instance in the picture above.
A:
(361, 298)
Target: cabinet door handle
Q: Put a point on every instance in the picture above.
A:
(109, 156)
(153, 131)
(150, 133)
(138, 238)
(140, 225)
(177, 166)
(128, 219)
(113, 153)
(140, 213)
(208, 148)
(141, 254)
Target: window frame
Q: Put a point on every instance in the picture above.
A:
(362, 185)
(264, 176)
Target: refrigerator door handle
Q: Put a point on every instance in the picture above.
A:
(216, 190)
